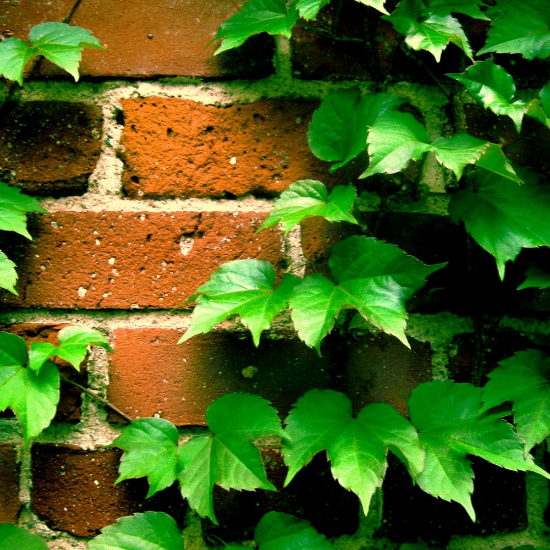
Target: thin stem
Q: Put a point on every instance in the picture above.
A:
(348, 174)
(337, 17)
(327, 33)
(95, 396)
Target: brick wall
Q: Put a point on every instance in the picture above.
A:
(157, 167)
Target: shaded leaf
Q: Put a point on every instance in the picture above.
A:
(357, 447)
(502, 216)
(539, 109)
(8, 275)
(13, 350)
(74, 342)
(243, 287)
(227, 457)
(13, 208)
(16, 538)
(536, 277)
(308, 198)
(309, 9)
(466, 7)
(148, 531)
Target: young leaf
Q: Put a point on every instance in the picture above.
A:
(451, 424)
(309, 9)
(39, 353)
(16, 538)
(278, 531)
(308, 198)
(13, 350)
(147, 531)
(524, 380)
(357, 447)
(150, 446)
(228, 457)
(374, 277)
(339, 128)
(14, 56)
(13, 209)
(536, 278)
(74, 341)
(494, 88)
(502, 216)
(8, 275)
(243, 287)
(520, 26)
(256, 16)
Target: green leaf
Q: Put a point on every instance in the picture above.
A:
(539, 109)
(228, 457)
(243, 287)
(376, 4)
(14, 56)
(32, 397)
(256, 16)
(394, 140)
(39, 353)
(13, 350)
(62, 44)
(520, 26)
(150, 446)
(494, 160)
(536, 278)
(523, 380)
(466, 7)
(148, 531)
(428, 30)
(309, 9)
(357, 447)
(308, 198)
(278, 531)
(16, 538)
(494, 88)
(74, 341)
(13, 209)
(451, 425)
(339, 128)
(502, 216)
(374, 277)
(8, 275)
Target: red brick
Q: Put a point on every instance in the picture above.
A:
(178, 148)
(10, 505)
(49, 148)
(95, 260)
(180, 382)
(73, 490)
(17, 18)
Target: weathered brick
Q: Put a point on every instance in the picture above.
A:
(180, 382)
(70, 401)
(49, 147)
(96, 260)
(73, 490)
(17, 18)
(178, 148)
(10, 505)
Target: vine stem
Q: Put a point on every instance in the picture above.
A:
(328, 33)
(95, 396)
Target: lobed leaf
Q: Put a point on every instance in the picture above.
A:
(74, 342)
(307, 198)
(14, 56)
(308, 9)
(8, 275)
(536, 277)
(471, 8)
(16, 538)
(13, 208)
(13, 350)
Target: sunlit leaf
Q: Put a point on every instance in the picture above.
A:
(74, 342)
(16, 538)
(13, 209)
(8, 275)
(14, 56)
(309, 9)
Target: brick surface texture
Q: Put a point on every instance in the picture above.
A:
(160, 165)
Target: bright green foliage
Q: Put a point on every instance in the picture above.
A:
(243, 287)
(339, 128)
(16, 538)
(465, 7)
(309, 9)
(8, 275)
(62, 44)
(494, 88)
(523, 380)
(539, 108)
(227, 457)
(536, 277)
(430, 29)
(256, 16)
(372, 276)
(14, 207)
(278, 531)
(520, 26)
(308, 198)
(148, 531)
(452, 424)
(376, 4)
(356, 446)
(150, 446)
(504, 217)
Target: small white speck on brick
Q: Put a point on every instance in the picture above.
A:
(82, 291)
(112, 261)
(186, 244)
(233, 160)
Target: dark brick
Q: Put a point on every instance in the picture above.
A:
(10, 505)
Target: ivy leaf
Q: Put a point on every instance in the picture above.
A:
(150, 446)
(339, 127)
(227, 457)
(256, 16)
(466, 7)
(307, 198)
(494, 88)
(452, 424)
(74, 342)
(494, 160)
(539, 109)
(14, 56)
(13, 208)
(147, 531)
(376, 4)
(8, 275)
(536, 278)
(502, 216)
(524, 380)
(39, 353)
(243, 287)
(374, 277)
(520, 26)
(278, 531)
(310, 8)
(13, 350)
(16, 538)
(357, 447)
